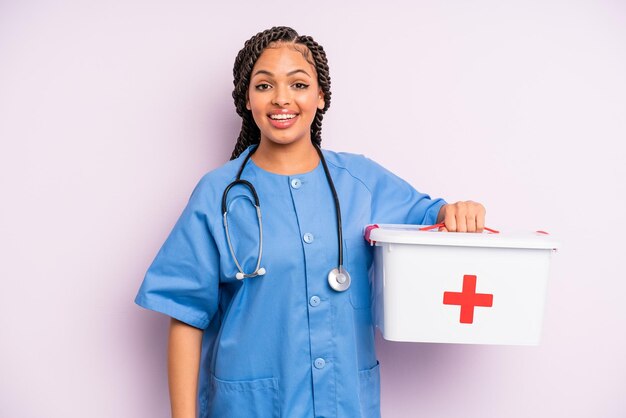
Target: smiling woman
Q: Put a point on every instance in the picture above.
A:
(291, 338)
(316, 67)
(284, 98)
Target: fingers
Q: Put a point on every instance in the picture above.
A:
(471, 223)
(461, 217)
(480, 219)
(450, 219)
(465, 217)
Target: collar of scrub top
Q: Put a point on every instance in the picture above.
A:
(338, 278)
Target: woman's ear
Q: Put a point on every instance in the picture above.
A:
(321, 102)
(248, 101)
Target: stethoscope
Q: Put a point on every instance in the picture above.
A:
(338, 278)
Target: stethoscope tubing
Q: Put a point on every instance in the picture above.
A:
(258, 270)
(340, 284)
(337, 207)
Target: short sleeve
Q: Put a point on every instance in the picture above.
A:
(395, 201)
(183, 279)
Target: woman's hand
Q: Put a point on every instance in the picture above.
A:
(462, 217)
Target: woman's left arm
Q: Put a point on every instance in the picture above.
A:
(462, 217)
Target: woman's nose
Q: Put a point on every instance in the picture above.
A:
(281, 96)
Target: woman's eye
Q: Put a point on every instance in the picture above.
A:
(301, 86)
(262, 86)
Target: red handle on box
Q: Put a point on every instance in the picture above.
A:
(439, 225)
(368, 231)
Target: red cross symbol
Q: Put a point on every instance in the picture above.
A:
(468, 299)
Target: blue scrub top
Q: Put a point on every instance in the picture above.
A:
(282, 344)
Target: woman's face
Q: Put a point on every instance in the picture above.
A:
(284, 95)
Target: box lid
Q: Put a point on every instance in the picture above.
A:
(411, 234)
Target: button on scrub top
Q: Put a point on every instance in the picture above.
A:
(282, 344)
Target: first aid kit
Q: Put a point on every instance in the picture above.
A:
(449, 287)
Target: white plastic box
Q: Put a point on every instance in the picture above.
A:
(447, 287)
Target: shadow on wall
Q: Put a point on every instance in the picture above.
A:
(150, 332)
(420, 370)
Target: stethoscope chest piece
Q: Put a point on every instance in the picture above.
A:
(339, 279)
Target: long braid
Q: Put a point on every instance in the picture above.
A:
(249, 131)
(242, 70)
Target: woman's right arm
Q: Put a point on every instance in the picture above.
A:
(183, 367)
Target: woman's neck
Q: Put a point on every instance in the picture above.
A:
(295, 158)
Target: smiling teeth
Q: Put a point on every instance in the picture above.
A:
(282, 116)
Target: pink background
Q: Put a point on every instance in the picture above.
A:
(111, 111)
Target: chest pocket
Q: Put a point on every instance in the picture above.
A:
(359, 258)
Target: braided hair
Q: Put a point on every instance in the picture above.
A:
(242, 70)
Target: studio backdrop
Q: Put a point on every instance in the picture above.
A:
(111, 111)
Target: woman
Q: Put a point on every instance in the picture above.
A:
(286, 329)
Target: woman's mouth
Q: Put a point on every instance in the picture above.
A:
(282, 120)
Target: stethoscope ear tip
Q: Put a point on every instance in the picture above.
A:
(241, 275)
